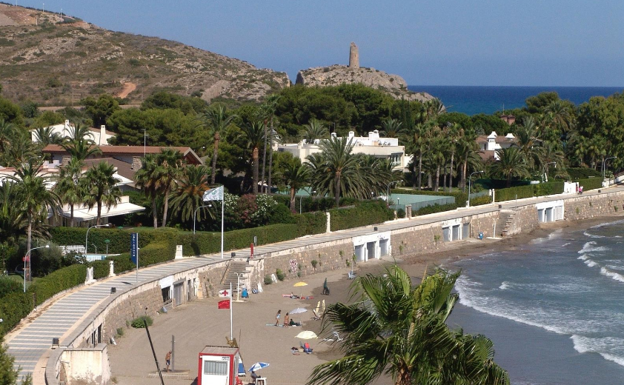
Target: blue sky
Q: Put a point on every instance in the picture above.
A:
(444, 42)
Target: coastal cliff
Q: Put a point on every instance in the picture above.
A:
(334, 75)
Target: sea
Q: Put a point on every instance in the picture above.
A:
(554, 307)
(487, 100)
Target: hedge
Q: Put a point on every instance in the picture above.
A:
(529, 191)
(363, 214)
(482, 200)
(590, 183)
(16, 306)
(311, 223)
(435, 209)
(582, 173)
(119, 238)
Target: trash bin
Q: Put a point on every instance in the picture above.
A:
(481, 236)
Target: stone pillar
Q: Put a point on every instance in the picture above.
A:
(328, 228)
(179, 254)
(89, 279)
(111, 268)
(354, 57)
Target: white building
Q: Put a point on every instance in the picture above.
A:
(373, 144)
(489, 145)
(100, 136)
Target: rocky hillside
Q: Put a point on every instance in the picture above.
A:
(340, 74)
(54, 59)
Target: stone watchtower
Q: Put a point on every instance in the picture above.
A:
(354, 57)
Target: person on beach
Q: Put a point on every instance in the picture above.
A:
(277, 317)
(254, 376)
(286, 320)
(168, 360)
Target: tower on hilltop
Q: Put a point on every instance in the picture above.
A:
(354, 57)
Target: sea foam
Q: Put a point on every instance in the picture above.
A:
(604, 346)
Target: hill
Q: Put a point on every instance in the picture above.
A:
(334, 75)
(56, 59)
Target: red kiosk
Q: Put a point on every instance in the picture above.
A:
(219, 365)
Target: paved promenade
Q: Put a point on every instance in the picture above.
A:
(32, 342)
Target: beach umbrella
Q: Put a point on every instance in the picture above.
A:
(257, 366)
(306, 335)
(300, 284)
(298, 310)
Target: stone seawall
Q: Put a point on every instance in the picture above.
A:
(587, 207)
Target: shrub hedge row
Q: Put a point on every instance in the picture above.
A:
(529, 191)
(16, 306)
(590, 183)
(363, 214)
(435, 209)
(482, 200)
(582, 173)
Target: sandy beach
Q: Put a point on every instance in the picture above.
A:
(200, 323)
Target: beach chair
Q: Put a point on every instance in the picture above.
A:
(322, 308)
(316, 317)
(334, 338)
(318, 307)
(352, 274)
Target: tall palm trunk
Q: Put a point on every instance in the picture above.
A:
(255, 156)
(464, 171)
(436, 187)
(420, 156)
(71, 215)
(165, 208)
(154, 213)
(99, 212)
(292, 200)
(264, 158)
(451, 173)
(337, 192)
(270, 157)
(215, 154)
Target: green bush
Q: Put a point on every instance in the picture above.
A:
(512, 193)
(311, 223)
(400, 213)
(120, 332)
(280, 274)
(119, 238)
(363, 214)
(138, 323)
(459, 195)
(122, 263)
(482, 200)
(436, 209)
(267, 280)
(100, 269)
(583, 173)
(8, 286)
(314, 263)
(590, 183)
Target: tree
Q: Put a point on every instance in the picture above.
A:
(314, 130)
(296, 176)
(79, 143)
(168, 171)
(189, 192)
(218, 122)
(35, 200)
(254, 136)
(69, 185)
(396, 329)
(268, 109)
(511, 164)
(46, 135)
(392, 128)
(100, 188)
(146, 179)
(337, 173)
(8, 374)
(99, 110)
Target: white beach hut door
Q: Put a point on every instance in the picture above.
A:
(215, 372)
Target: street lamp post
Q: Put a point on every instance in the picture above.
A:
(87, 237)
(470, 184)
(604, 166)
(27, 258)
(195, 214)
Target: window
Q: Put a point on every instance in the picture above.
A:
(215, 368)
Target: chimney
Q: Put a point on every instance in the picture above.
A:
(103, 141)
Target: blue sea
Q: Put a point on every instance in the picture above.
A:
(487, 100)
(553, 308)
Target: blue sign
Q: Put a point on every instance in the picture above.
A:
(134, 248)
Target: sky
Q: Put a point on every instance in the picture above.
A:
(444, 42)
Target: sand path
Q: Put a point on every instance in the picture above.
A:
(127, 89)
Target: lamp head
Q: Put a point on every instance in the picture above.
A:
(47, 246)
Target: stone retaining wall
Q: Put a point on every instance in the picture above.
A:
(587, 207)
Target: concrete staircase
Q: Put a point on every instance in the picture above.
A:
(231, 275)
(506, 218)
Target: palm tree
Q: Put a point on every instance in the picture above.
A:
(392, 128)
(218, 121)
(254, 136)
(35, 200)
(100, 188)
(69, 186)
(189, 192)
(46, 135)
(528, 141)
(7, 131)
(395, 329)
(13, 222)
(267, 113)
(79, 143)
(146, 179)
(168, 172)
(17, 146)
(296, 176)
(337, 173)
(511, 163)
(314, 130)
